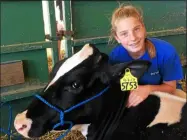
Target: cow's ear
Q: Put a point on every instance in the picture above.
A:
(100, 75)
(137, 68)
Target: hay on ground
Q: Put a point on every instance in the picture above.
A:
(72, 135)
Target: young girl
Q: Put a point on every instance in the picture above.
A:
(129, 30)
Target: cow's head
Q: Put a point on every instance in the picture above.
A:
(76, 79)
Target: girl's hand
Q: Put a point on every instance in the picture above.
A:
(138, 95)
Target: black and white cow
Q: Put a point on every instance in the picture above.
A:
(160, 117)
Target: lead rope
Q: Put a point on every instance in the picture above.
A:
(8, 132)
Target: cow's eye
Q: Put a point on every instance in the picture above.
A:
(75, 85)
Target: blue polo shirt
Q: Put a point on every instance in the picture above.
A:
(166, 66)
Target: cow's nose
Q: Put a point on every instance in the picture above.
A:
(22, 124)
(21, 127)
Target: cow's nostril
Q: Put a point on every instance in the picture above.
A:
(24, 126)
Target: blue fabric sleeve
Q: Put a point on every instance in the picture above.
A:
(112, 58)
(172, 68)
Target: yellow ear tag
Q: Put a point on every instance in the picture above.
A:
(128, 82)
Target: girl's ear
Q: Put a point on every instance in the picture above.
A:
(116, 37)
(144, 29)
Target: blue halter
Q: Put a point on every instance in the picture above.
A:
(62, 122)
(8, 132)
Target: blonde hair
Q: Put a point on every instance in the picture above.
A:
(125, 11)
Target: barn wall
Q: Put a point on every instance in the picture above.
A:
(23, 37)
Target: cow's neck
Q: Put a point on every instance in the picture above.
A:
(112, 110)
(115, 118)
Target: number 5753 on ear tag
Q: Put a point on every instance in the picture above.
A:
(128, 81)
